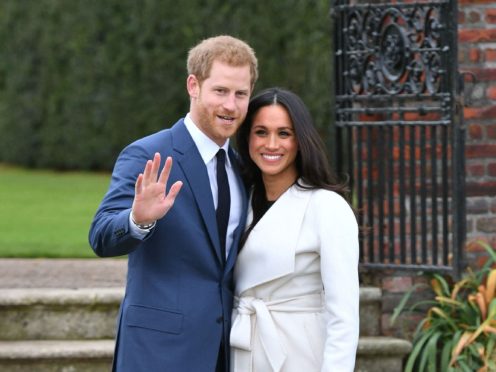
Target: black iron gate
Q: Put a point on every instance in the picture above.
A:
(398, 130)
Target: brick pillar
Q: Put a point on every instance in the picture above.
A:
(477, 54)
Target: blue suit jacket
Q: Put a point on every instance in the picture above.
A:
(178, 300)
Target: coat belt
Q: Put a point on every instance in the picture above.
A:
(241, 337)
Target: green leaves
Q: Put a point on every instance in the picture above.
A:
(458, 332)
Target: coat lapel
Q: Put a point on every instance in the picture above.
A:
(269, 251)
(189, 159)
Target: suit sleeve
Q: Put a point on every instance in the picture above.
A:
(110, 233)
(338, 231)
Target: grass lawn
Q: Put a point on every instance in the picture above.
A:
(46, 213)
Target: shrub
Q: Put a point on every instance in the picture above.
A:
(81, 79)
(458, 333)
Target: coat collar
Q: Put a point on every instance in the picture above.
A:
(269, 251)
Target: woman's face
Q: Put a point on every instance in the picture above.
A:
(272, 143)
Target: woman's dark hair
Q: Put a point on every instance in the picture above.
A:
(312, 164)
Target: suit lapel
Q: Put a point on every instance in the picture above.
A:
(188, 158)
(233, 253)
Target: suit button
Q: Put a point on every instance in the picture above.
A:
(219, 319)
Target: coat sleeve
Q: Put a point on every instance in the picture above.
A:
(338, 231)
(110, 233)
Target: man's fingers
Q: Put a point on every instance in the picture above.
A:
(164, 175)
(147, 173)
(151, 170)
(174, 190)
(155, 167)
(138, 186)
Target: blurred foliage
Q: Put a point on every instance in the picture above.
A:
(80, 79)
(458, 332)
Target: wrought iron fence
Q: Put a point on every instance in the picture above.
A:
(398, 130)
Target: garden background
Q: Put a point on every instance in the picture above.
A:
(81, 79)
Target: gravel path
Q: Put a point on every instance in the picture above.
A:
(62, 273)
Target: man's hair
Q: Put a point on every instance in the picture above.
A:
(223, 48)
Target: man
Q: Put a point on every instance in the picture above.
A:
(176, 313)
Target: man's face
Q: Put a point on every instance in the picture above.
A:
(219, 104)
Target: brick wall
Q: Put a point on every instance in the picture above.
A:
(477, 54)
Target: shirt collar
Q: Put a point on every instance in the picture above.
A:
(207, 148)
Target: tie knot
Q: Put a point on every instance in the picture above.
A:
(221, 156)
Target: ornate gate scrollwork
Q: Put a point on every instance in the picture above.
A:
(398, 134)
(394, 50)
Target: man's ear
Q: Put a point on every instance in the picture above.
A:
(193, 86)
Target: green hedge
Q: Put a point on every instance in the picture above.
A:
(79, 79)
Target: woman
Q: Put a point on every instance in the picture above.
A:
(297, 296)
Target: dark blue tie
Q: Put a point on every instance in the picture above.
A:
(223, 200)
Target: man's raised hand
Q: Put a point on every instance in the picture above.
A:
(150, 200)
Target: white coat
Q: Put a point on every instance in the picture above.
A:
(297, 291)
